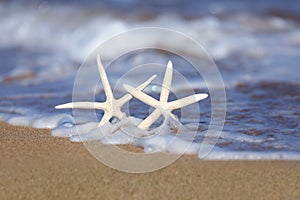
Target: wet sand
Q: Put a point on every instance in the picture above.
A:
(35, 165)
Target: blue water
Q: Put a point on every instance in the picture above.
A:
(255, 46)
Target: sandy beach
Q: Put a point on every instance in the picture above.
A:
(35, 165)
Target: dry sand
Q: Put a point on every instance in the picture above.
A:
(35, 165)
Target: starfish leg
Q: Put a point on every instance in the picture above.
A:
(119, 114)
(146, 83)
(124, 99)
(104, 79)
(141, 96)
(185, 101)
(106, 117)
(127, 97)
(150, 119)
(83, 105)
(165, 90)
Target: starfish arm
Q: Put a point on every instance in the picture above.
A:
(185, 101)
(141, 96)
(104, 79)
(150, 119)
(106, 117)
(124, 99)
(127, 97)
(165, 90)
(146, 83)
(119, 114)
(83, 105)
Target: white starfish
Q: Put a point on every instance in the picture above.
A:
(111, 107)
(162, 107)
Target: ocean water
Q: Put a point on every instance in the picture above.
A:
(255, 46)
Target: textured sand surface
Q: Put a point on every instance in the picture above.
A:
(35, 165)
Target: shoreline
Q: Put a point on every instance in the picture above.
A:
(36, 165)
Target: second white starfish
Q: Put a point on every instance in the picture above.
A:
(112, 107)
(162, 107)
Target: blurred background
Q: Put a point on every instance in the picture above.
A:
(253, 35)
(255, 44)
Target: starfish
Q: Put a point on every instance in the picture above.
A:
(162, 107)
(111, 107)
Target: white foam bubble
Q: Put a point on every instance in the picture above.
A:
(222, 154)
(41, 121)
(162, 139)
